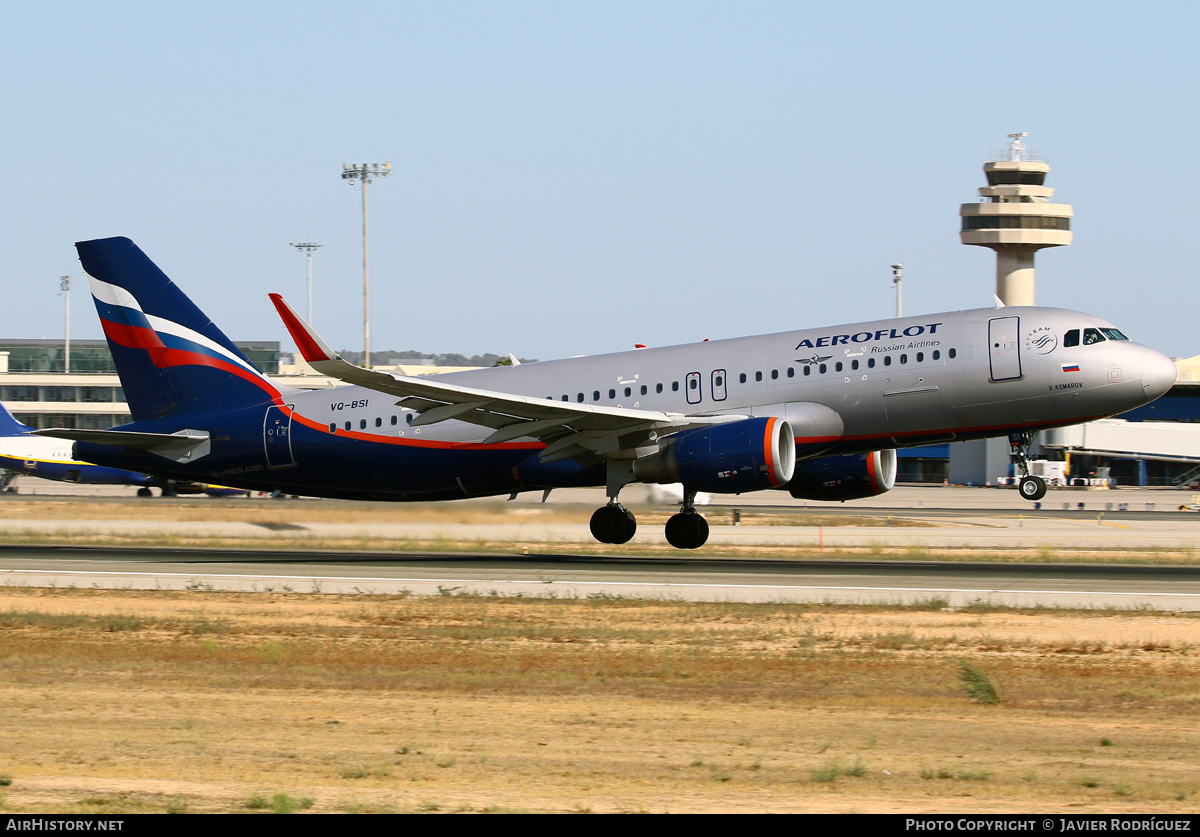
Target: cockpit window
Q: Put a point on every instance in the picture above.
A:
(1092, 335)
(1113, 334)
(1071, 338)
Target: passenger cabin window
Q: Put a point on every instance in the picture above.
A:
(870, 363)
(644, 390)
(1092, 335)
(953, 353)
(612, 393)
(742, 378)
(674, 386)
(758, 376)
(1071, 338)
(807, 371)
(837, 366)
(887, 360)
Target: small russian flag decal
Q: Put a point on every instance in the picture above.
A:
(1070, 367)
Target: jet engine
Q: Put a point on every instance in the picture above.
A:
(847, 477)
(747, 455)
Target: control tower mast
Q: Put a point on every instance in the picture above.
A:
(1016, 219)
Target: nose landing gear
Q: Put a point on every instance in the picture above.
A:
(1031, 487)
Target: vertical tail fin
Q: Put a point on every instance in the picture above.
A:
(9, 426)
(169, 355)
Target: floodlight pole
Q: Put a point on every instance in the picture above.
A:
(307, 247)
(897, 276)
(364, 173)
(64, 284)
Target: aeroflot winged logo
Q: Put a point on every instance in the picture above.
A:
(868, 336)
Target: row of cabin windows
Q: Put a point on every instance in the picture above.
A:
(612, 393)
(694, 383)
(362, 423)
(823, 368)
(839, 366)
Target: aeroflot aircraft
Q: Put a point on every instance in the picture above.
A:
(817, 413)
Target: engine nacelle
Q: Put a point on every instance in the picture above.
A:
(848, 477)
(747, 455)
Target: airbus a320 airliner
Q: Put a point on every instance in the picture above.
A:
(817, 412)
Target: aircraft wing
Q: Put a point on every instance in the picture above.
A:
(568, 429)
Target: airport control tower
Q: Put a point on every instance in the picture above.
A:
(1016, 219)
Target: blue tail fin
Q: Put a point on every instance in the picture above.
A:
(9, 426)
(170, 356)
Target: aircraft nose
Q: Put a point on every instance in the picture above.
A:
(1158, 374)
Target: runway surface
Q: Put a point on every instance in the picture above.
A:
(982, 521)
(564, 576)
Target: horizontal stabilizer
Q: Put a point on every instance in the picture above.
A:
(183, 446)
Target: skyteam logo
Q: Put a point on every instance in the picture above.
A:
(1041, 341)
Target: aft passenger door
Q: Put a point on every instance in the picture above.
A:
(277, 437)
(1004, 348)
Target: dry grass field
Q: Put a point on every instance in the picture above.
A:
(122, 701)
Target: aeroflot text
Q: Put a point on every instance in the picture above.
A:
(866, 336)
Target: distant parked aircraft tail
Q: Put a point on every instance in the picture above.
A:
(9, 426)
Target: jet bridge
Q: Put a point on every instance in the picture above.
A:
(1165, 441)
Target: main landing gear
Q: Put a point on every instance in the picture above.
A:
(613, 523)
(1032, 488)
(616, 524)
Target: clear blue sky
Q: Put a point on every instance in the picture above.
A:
(573, 178)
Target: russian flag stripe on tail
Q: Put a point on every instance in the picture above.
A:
(170, 356)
